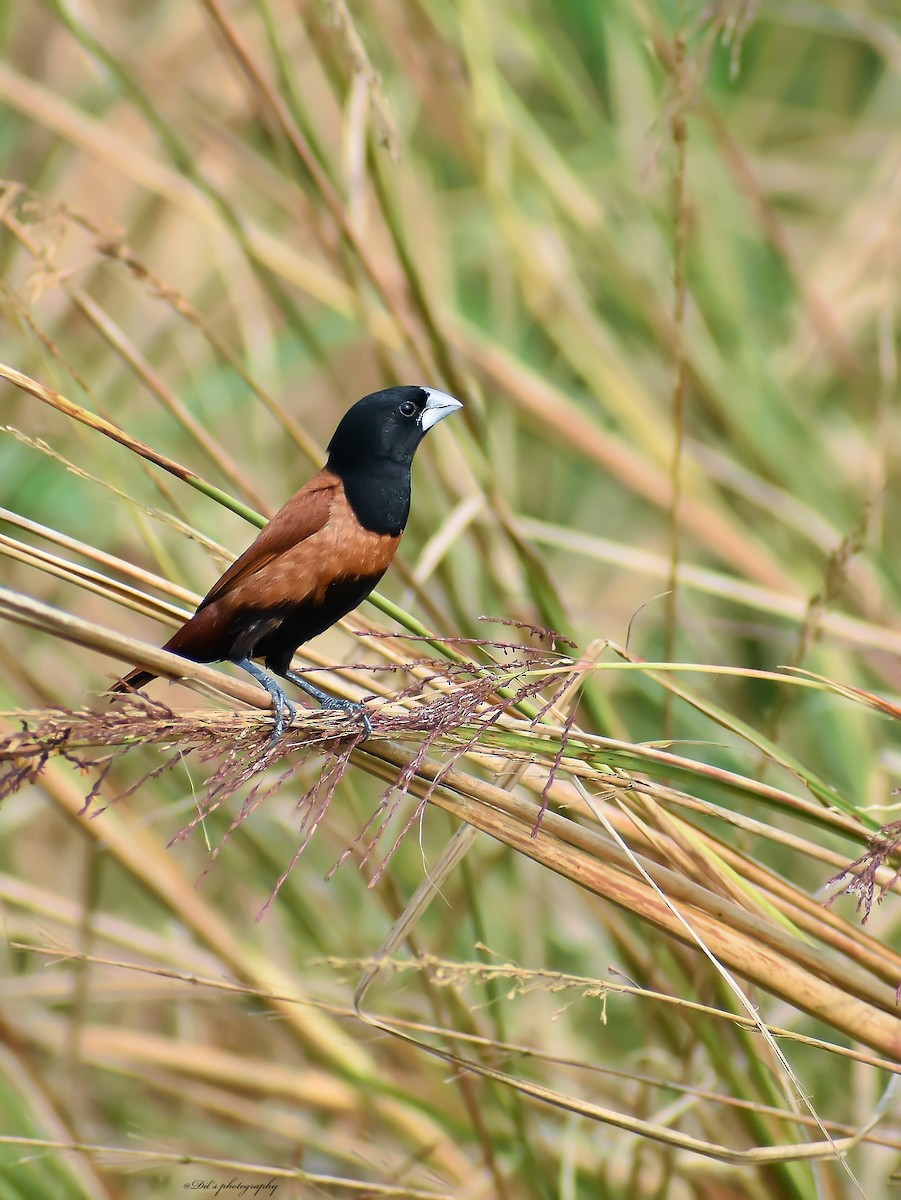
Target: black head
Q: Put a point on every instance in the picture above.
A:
(373, 447)
(387, 426)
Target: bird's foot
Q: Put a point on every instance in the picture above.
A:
(282, 708)
(324, 700)
(352, 708)
(281, 705)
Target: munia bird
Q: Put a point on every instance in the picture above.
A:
(319, 556)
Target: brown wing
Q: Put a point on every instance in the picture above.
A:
(312, 543)
(302, 516)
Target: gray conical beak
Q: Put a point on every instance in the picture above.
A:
(438, 406)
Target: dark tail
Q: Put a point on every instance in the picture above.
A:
(200, 639)
(133, 680)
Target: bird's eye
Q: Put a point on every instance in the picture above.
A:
(408, 409)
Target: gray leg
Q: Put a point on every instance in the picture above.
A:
(280, 701)
(327, 701)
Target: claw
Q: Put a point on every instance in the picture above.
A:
(282, 707)
(352, 708)
(327, 701)
(365, 722)
(280, 702)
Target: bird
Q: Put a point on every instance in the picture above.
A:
(319, 557)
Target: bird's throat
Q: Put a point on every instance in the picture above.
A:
(380, 496)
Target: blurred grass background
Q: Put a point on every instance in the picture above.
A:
(654, 248)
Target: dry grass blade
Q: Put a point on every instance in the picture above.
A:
(269, 1171)
(70, 409)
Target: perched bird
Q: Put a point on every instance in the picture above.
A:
(320, 555)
